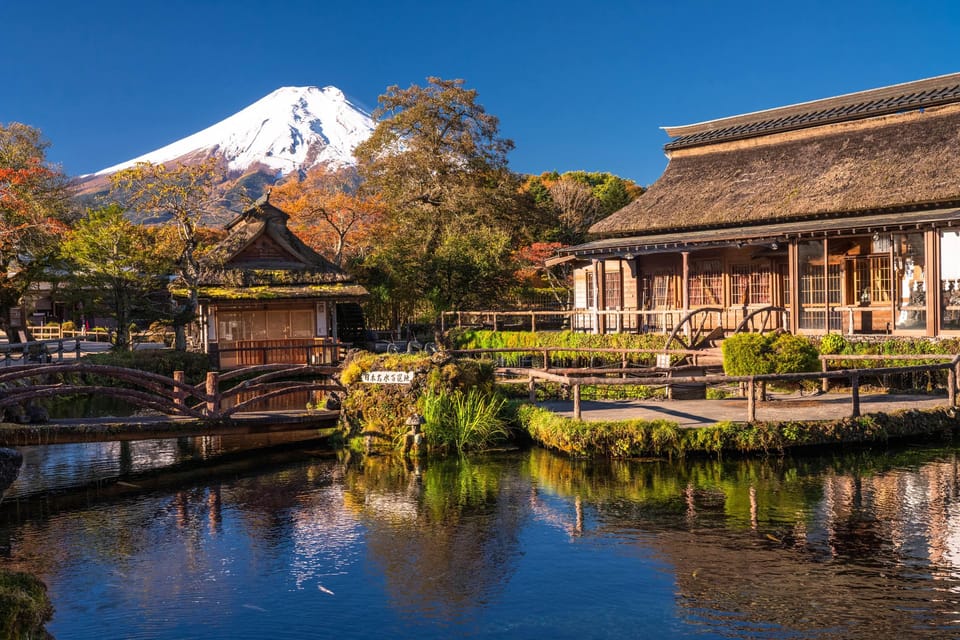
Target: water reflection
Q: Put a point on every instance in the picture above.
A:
(288, 544)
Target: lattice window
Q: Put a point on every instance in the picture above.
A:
(750, 284)
(611, 290)
(871, 279)
(590, 292)
(706, 283)
(663, 290)
(812, 285)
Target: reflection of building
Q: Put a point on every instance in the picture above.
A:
(267, 297)
(843, 211)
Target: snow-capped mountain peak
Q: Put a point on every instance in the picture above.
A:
(291, 129)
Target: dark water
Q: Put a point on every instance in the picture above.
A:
(297, 544)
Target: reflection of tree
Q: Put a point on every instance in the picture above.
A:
(838, 548)
(445, 535)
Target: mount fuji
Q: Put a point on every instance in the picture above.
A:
(288, 131)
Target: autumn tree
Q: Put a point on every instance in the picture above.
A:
(183, 197)
(34, 210)
(575, 200)
(327, 212)
(117, 265)
(438, 161)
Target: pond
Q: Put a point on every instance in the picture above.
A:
(299, 543)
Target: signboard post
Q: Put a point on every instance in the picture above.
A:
(387, 377)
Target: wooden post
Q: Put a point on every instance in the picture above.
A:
(546, 359)
(494, 321)
(532, 389)
(213, 393)
(855, 394)
(576, 402)
(824, 382)
(178, 393)
(533, 322)
(952, 387)
(751, 400)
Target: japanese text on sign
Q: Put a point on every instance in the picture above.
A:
(387, 377)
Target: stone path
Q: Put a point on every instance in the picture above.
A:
(700, 413)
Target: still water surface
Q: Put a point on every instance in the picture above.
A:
(298, 544)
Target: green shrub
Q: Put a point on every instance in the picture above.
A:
(747, 354)
(832, 344)
(793, 354)
(750, 354)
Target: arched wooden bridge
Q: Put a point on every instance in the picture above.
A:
(220, 405)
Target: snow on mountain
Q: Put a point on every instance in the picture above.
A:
(293, 128)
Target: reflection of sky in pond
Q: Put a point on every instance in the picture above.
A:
(524, 546)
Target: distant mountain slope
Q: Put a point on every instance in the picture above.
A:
(291, 130)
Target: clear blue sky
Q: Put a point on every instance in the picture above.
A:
(577, 85)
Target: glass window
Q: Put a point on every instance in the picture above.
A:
(301, 323)
(950, 280)
(812, 285)
(611, 289)
(910, 266)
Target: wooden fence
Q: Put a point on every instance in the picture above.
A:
(576, 378)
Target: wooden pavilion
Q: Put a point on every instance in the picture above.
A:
(266, 297)
(837, 215)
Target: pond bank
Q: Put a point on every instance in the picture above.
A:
(619, 436)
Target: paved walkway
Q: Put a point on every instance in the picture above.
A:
(700, 413)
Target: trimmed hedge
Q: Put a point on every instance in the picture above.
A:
(750, 354)
(484, 339)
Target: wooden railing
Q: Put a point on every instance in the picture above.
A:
(171, 395)
(55, 332)
(46, 351)
(612, 320)
(623, 355)
(251, 353)
(663, 376)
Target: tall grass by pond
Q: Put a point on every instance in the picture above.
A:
(463, 421)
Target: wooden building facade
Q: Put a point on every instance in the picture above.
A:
(266, 297)
(838, 215)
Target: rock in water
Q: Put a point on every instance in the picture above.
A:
(10, 462)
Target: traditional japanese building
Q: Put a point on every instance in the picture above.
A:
(838, 215)
(266, 297)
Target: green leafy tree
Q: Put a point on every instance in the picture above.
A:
(439, 163)
(34, 211)
(183, 196)
(115, 264)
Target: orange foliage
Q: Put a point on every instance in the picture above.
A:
(328, 214)
(531, 260)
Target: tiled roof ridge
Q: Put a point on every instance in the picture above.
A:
(919, 94)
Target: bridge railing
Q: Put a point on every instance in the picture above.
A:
(210, 399)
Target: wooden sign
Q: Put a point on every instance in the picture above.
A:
(387, 377)
(663, 361)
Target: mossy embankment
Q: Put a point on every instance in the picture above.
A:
(24, 607)
(636, 438)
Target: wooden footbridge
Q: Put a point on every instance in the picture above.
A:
(224, 404)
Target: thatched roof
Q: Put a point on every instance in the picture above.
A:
(840, 157)
(260, 253)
